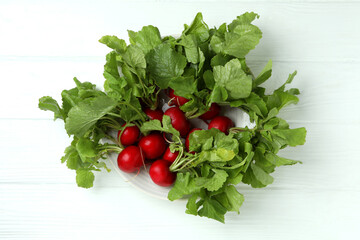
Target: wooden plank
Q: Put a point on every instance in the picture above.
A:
(321, 31)
(45, 44)
(42, 77)
(63, 211)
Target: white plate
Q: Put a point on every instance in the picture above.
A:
(142, 180)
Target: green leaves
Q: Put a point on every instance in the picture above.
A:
(184, 185)
(215, 206)
(192, 206)
(83, 156)
(219, 160)
(194, 40)
(131, 108)
(165, 64)
(114, 84)
(132, 64)
(114, 42)
(213, 183)
(70, 98)
(253, 103)
(86, 149)
(219, 94)
(198, 29)
(84, 178)
(264, 75)
(212, 139)
(192, 50)
(279, 161)
(212, 209)
(222, 160)
(233, 79)
(241, 40)
(50, 104)
(135, 59)
(152, 125)
(231, 199)
(243, 19)
(184, 85)
(292, 137)
(155, 125)
(146, 39)
(84, 116)
(260, 175)
(252, 180)
(281, 98)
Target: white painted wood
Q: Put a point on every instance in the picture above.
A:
(43, 44)
(320, 31)
(64, 211)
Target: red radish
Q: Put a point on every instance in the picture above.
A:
(130, 159)
(152, 145)
(222, 123)
(178, 120)
(160, 173)
(176, 100)
(169, 156)
(214, 110)
(129, 136)
(188, 136)
(154, 114)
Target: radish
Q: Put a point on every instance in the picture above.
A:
(130, 159)
(214, 110)
(222, 123)
(129, 136)
(178, 120)
(170, 156)
(176, 100)
(160, 173)
(188, 136)
(152, 145)
(154, 114)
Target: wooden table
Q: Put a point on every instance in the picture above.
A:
(44, 44)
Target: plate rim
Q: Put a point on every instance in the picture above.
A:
(130, 182)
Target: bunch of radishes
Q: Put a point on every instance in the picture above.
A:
(152, 149)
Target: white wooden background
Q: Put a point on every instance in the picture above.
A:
(44, 44)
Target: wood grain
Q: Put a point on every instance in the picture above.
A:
(321, 31)
(45, 44)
